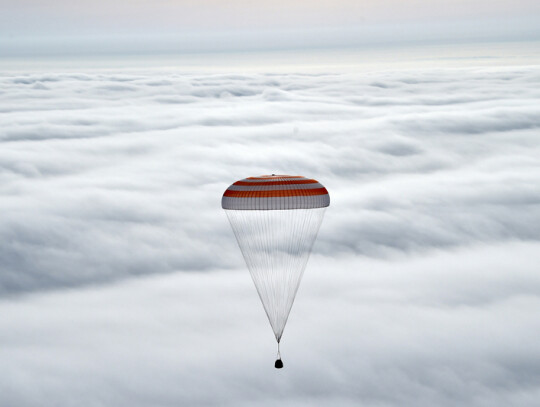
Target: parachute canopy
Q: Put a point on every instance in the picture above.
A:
(275, 219)
(275, 192)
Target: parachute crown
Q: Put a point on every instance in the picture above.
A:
(275, 192)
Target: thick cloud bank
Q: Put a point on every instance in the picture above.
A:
(423, 289)
(451, 328)
(110, 175)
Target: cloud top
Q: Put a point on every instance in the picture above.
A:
(106, 176)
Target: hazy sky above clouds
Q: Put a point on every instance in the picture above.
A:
(211, 25)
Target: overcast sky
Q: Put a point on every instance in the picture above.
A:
(30, 27)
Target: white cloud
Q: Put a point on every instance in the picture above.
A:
(448, 327)
(424, 287)
(109, 175)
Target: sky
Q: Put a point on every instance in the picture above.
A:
(122, 124)
(36, 27)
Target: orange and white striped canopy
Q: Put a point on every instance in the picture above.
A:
(274, 192)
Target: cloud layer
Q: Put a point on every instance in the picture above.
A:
(457, 327)
(423, 288)
(111, 175)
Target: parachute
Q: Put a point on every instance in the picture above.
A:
(275, 219)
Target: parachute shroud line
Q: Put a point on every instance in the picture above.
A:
(275, 220)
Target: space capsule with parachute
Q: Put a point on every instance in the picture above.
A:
(275, 219)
